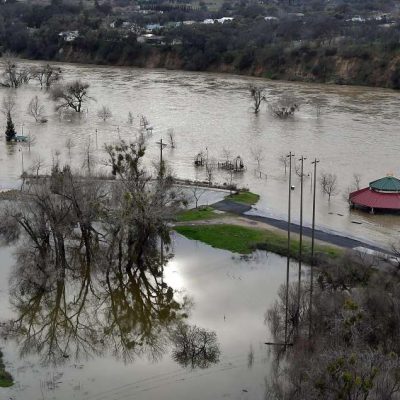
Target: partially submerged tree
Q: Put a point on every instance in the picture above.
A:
(13, 75)
(36, 109)
(71, 95)
(284, 161)
(257, 95)
(104, 113)
(8, 104)
(210, 169)
(10, 130)
(47, 75)
(258, 154)
(328, 183)
(284, 107)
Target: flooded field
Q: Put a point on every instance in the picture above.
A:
(355, 132)
(228, 295)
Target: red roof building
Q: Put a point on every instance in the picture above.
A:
(382, 194)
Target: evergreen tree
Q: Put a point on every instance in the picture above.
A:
(10, 130)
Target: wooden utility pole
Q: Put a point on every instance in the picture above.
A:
(162, 146)
(290, 155)
(315, 162)
(301, 237)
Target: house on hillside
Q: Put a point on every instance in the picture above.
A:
(69, 36)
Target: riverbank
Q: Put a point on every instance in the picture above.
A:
(307, 65)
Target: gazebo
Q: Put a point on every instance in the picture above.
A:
(382, 194)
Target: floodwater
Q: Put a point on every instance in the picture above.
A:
(228, 294)
(356, 132)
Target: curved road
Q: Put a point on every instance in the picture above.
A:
(342, 241)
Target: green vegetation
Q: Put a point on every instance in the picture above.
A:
(243, 240)
(244, 198)
(196, 214)
(6, 380)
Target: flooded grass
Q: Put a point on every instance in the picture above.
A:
(248, 198)
(243, 240)
(197, 214)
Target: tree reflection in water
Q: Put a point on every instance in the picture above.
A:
(89, 274)
(194, 346)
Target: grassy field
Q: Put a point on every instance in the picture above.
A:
(196, 214)
(248, 198)
(243, 240)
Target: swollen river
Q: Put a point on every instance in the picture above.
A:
(354, 132)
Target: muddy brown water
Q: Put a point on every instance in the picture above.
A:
(229, 295)
(356, 131)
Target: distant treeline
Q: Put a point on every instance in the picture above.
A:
(319, 44)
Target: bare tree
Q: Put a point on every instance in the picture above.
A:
(171, 137)
(197, 192)
(284, 107)
(8, 104)
(284, 161)
(69, 144)
(71, 95)
(47, 75)
(36, 109)
(227, 154)
(130, 118)
(258, 155)
(328, 184)
(13, 75)
(104, 113)
(257, 95)
(210, 169)
(31, 141)
(36, 167)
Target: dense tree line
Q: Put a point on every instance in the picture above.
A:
(297, 36)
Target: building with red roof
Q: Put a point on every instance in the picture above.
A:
(382, 194)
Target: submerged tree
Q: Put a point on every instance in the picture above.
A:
(71, 95)
(284, 107)
(10, 130)
(328, 183)
(14, 75)
(36, 109)
(104, 113)
(47, 75)
(258, 95)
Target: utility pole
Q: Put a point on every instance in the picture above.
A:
(162, 146)
(315, 162)
(96, 141)
(290, 155)
(22, 159)
(301, 237)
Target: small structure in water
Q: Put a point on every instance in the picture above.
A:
(382, 194)
(236, 165)
(199, 160)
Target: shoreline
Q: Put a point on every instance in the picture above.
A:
(327, 83)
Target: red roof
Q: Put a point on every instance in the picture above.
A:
(369, 198)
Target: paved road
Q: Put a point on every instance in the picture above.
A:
(342, 241)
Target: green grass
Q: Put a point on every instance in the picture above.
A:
(243, 240)
(244, 198)
(196, 214)
(6, 380)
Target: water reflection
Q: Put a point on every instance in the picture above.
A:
(89, 277)
(83, 312)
